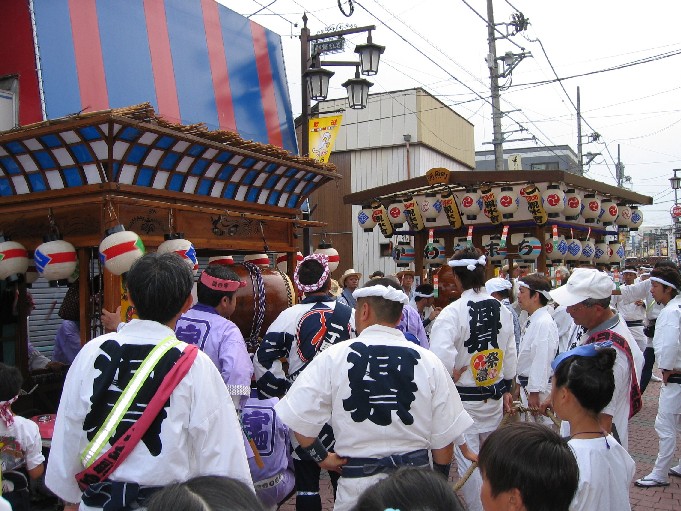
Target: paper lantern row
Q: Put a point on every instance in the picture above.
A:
(53, 260)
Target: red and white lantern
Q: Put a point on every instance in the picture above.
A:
(609, 212)
(555, 251)
(617, 252)
(507, 202)
(471, 204)
(13, 259)
(591, 208)
(184, 249)
(223, 260)
(396, 214)
(554, 200)
(118, 251)
(365, 219)
(330, 252)
(282, 261)
(258, 259)
(624, 216)
(573, 205)
(56, 260)
(430, 207)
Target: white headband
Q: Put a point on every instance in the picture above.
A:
(630, 271)
(470, 264)
(422, 295)
(545, 294)
(385, 292)
(664, 282)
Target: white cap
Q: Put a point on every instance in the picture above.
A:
(584, 283)
(497, 284)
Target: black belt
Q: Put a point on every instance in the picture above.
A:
(523, 380)
(495, 391)
(365, 467)
(674, 378)
(635, 323)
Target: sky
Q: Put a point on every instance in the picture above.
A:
(441, 45)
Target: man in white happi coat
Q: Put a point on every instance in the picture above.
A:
(587, 298)
(297, 335)
(207, 325)
(196, 433)
(633, 313)
(539, 344)
(473, 337)
(389, 401)
(501, 290)
(665, 287)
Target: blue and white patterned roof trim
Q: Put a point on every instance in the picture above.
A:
(77, 153)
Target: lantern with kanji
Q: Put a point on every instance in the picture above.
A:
(602, 252)
(529, 248)
(554, 200)
(13, 259)
(120, 249)
(434, 253)
(555, 250)
(573, 205)
(591, 208)
(494, 251)
(624, 215)
(617, 252)
(55, 260)
(507, 202)
(223, 260)
(365, 219)
(471, 204)
(330, 252)
(396, 214)
(403, 254)
(380, 216)
(430, 207)
(588, 250)
(258, 259)
(460, 243)
(182, 247)
(636, 218)
(282, 261)
(412, 212)
(609, 212)
(574, 250)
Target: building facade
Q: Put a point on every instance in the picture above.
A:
(560, 157)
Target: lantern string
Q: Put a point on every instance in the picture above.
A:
(53, 229)
(262, 233)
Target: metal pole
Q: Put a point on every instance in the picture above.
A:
(494, 80)
(580, 159)
(304, 148)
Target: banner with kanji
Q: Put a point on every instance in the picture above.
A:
(323, 132)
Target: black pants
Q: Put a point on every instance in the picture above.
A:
(307, 484)
(647, 372)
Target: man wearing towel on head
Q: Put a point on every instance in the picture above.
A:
(388, 401)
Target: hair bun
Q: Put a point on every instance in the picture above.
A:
(605, 360)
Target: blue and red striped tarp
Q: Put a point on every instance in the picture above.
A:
(194, 60)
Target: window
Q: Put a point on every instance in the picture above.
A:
(9, 111)
(549, 165)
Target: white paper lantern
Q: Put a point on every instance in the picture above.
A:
(588, 250)
(591, 208)
(602, 253)
(119, 250)
(396, 214)
(636, 218)
(493, 250)
(471, 204)
(434, 253)
(430, 207)
(331, 253)
(574, 251)
(555, 251)
(223, 260)
(365, 219)
(182, 247)
(282, 261)
(403, 254)
(554, 201)
(573, 205)
(617, 252)
(507, 202)
(258, 259)
(624, 216)
(13, 259)
(609, 212)
(55, 260)
(529, 248)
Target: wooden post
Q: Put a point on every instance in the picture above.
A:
(84, 294)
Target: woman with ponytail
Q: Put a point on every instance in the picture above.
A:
(582, 385)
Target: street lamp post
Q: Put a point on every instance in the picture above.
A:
(315, 82)
(675, 183)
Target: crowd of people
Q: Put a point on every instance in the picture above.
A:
(379, 387)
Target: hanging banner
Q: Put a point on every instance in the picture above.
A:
(504, 236)
(534, 204)
(380, 216)
(490, 204)
(323, 133)
(469, 238)
(448, 202)
(412, 212)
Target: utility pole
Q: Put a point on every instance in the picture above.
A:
(580, 159)
(498, 139)
(620, 169)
